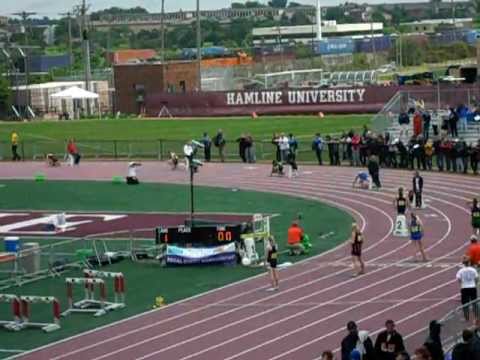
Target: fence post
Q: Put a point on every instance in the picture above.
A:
(160, 150)
(115, 155)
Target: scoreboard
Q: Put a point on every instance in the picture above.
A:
(198, 236)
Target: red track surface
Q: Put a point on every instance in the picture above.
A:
(317, 297)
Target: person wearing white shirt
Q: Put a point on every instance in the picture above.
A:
(132, 178)
(284, 145)
(467, 277)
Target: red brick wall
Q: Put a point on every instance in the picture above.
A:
(151, 76)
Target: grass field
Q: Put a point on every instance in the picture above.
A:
(139, 138)
(145, 282)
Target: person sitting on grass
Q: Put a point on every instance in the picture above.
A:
(173, 160)
(132, 178)
(52, 160)
(277, 168)
(295, 236)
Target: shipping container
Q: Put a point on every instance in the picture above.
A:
(45, 63)
(207, 52)
(333, 46)
(368, 45)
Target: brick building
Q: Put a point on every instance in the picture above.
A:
(134, 82)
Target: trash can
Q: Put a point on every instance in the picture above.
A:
(30, 257)
(12, 244)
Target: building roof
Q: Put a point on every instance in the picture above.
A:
(326, 28)
(439, 21)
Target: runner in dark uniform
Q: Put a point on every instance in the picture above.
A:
(357, 243)
(401, 202)
(475, 209)
(272, 259)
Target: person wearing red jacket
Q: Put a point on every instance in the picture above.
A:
(73, 153)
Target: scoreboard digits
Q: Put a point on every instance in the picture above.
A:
(211, 235)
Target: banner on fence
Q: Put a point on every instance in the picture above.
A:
(224, 254)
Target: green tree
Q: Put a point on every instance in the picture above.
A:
(5, 94)
(278, 3)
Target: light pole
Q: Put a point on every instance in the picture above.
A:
(199, 48)
(162, 27)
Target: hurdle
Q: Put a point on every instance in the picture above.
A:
(89, 304)
(25, 302)
(14, 324)
(118, 284)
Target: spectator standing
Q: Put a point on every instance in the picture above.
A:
(365, 346)
(249, 149)
(219, 141)
(349, 342)
(463, 350)
(467, 277)
(284, 146)
(427, 118)
(473, 251)
(374, 171)
(428, 150)
(207, 147)
(389, 342)
(403, 151)
(475, 216)
(462, 112)
(14, 141)
(242, 147)
(293, 147)
(438, 150)
(433, 344)
(317, 146)
(475, 157)
(452, 122)
(460, 153)
(417, 182)
(275, 142)
(403, 121)
(356, 143)
(417, 124)
(73, 154)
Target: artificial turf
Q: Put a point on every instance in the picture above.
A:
(146, 281)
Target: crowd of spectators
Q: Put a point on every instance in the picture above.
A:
(389, 345)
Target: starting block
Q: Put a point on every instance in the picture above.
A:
(401, 229)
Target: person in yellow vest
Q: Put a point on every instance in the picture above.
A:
(15, 139)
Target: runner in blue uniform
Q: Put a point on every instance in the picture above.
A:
(363, 180)
(416, 235)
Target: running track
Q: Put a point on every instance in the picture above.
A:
(317, 296)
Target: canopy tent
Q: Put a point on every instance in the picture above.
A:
(75, 93)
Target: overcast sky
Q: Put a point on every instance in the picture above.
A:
(53, 7)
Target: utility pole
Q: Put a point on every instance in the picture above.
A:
(199, 48)
(70, 46)
(162, 27)
(25, 15)
(86, 50)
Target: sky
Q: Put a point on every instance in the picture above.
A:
(52, 8)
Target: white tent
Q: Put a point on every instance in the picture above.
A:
(75, 93)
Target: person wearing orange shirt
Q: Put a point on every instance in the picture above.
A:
(473, 251)
(295, 236)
